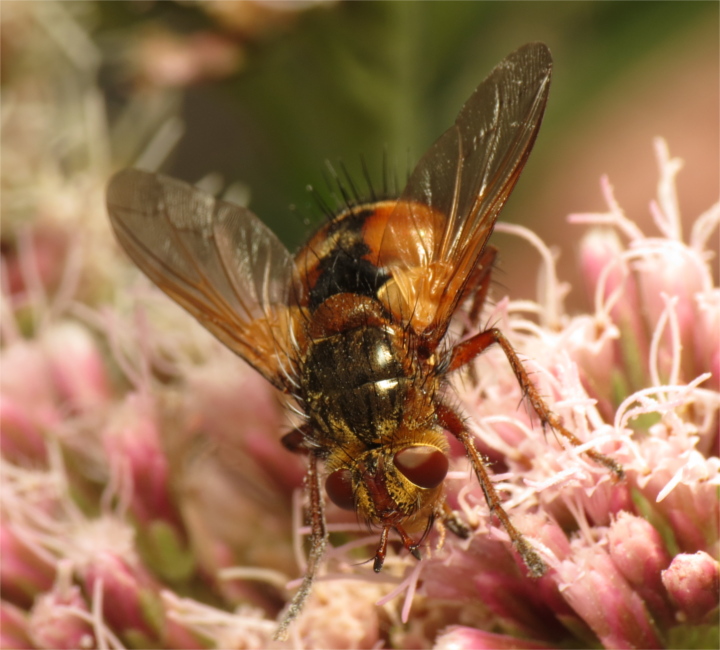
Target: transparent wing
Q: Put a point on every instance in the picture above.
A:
(215, 259)
(446, 213)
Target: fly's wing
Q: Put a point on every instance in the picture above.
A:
(215, 259)
(441, 223)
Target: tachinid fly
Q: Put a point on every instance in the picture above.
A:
(354, 327)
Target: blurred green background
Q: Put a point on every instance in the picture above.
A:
(350, 80)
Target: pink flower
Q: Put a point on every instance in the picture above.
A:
(29, 405)
(76, 367)
(131, 440)
(56, 619)
(21, 437)
(693, 583)
(47, 382)
(168, 59)
(24, 574)
(458, 637)
(129, 596)
(13, 627)
(639, 553)
(596, 590)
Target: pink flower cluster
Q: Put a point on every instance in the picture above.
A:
(637, 379)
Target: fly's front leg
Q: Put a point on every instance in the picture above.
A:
(466, 351)
(318, 542)
(450, 421)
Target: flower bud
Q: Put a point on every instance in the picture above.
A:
(592, 344)
(637, 550)
(131, 603)
(458, 637)
(23, 573)
(602, 260)
(600, 251)
(693, 583)
(707, 337)
(21, 437)
(29, 401)
(13, 627)
(53, 626)
(76, 366)
(594, 587)
(132, 444)
(673, 271)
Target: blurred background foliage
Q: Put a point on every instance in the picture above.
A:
(269, 92)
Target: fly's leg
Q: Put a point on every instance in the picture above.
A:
(453, 523)
(411, 546)
(476, 291)
(450, 421)
(381, 551)
(466, 351)
(318, 537)
(296, 440)
(479, 283)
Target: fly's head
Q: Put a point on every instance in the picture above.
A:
(397, 486)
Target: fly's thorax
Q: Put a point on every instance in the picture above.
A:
(355, 383)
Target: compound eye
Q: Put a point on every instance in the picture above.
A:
(339, 488)
(424, 466)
